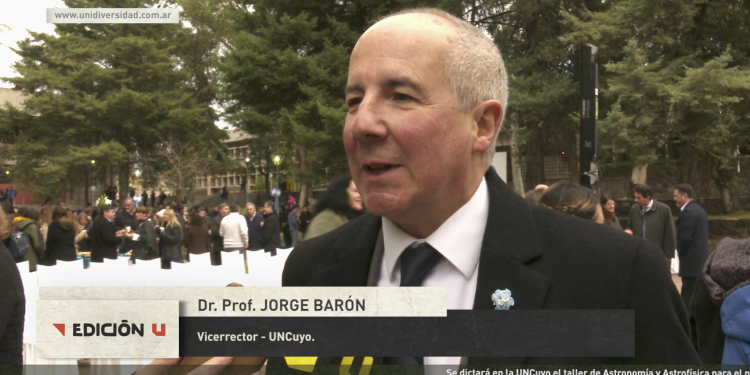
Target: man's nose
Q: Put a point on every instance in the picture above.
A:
(369, 123)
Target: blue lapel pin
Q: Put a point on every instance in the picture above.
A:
(502, 300)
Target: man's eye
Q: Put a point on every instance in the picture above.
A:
(400, 96)
(353, 102)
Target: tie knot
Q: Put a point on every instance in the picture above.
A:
(416, 262)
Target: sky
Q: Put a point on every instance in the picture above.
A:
(21, 15)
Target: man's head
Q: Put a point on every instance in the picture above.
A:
(224, 209)
(268, 207)
(129, 205)
(234, 207)
(108, 212)
(295, 208)
(215, 209)
(683, 193)
(642, 195)
(426, 95)
(250, 209)
(202, 212)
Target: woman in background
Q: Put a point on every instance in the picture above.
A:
(608, 209)
(82, 238)
(61, 237)
(196, 237)
(171, 238)
(340, 203)
(573, 199)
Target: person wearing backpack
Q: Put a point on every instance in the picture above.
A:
(26, 221)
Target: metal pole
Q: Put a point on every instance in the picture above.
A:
(277, 186)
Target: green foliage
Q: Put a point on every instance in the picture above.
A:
(122, 85)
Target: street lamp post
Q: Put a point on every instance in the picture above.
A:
(277, 158)
(247, 177)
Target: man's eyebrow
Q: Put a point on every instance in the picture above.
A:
(402, 82)
(389, 84)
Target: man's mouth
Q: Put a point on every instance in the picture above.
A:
(378, 168)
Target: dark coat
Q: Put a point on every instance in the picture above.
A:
(60, 243)
(146, 247)
(196, 239)
(12, 312)
(304, 221)
(271, 229)
(216, 239)
(254, 231)
(692, 239)
(124, 219)
(104, 240)
(705, 325)
(171, 242)
(532, 251)
(659, 226)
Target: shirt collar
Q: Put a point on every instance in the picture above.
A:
(684, 205)
(458, 239)
(650, 204)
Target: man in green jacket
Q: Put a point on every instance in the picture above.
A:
(652, 220)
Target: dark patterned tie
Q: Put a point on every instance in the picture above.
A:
(416, 262)
(643, 230)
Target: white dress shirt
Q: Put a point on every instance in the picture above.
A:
(459, 241)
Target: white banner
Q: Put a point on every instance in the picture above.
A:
(112, 15)
(274, 301)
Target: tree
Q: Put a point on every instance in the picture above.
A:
(100, 83)
(674, 80)
(179, 163)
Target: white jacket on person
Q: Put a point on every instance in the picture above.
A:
(234, 231)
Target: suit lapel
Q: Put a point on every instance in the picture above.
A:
(353, 254)
(510, 243)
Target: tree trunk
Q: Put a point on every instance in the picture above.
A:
(86, 190)
(123, 177)
(639, 175)
(725, 179)
(515, 161)
(305, 188)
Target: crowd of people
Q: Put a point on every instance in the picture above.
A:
(172, 232)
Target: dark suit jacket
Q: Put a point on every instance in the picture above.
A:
(104, 242)
(548, 259)
(271, 229)
(254, 231)
(216, 239)
(692, 239)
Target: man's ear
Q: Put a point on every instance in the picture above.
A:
(487, 118)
